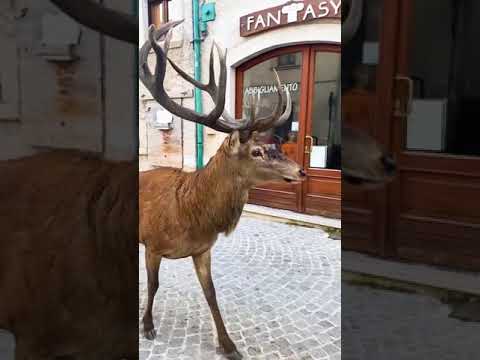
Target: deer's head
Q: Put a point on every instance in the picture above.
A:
(246, 146)
(364, 162)
(259, 160)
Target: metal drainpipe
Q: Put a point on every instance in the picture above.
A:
(197, 48)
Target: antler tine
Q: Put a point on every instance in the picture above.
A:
(99, 18)
(252, 123)
(211, 87)
(256, 108)
(352, 22)
(277, 118)
(288, 109)
(146, 76)
(154, 82)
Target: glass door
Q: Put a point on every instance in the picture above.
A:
(322, 190)
(257, 77)
(367, 68)
(312, 134)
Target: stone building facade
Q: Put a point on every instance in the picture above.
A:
(64, 86)
(267, 33)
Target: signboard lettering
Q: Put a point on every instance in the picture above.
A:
(268, 89)
(292, 12)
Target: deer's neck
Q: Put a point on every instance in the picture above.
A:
(215, 195)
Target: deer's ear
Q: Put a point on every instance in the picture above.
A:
(234, 142)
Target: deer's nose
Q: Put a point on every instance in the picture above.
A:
(389, 163)
(302, 173)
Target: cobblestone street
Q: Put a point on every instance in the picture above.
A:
(278, 287)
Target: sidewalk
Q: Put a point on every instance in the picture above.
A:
(411, 273)
(291, 217)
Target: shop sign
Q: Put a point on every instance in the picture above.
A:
(268, 89)
(292, 12)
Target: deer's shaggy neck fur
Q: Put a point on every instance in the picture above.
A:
(214, 196)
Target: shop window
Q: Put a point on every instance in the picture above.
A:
(158, 12)
(260, 79)
(325, 127)
(322, 126)
(442, 66)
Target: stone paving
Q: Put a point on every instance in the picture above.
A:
(278, 287)
(388, 325)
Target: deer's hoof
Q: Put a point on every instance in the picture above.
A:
(150, 334)
(234, 355)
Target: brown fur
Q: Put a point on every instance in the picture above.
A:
(364, 162)
(68, 259)
(180, 208)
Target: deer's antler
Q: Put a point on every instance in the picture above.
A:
(154, 81)
(218, 119)
(99, 18)
(352, 22)
(253, 123)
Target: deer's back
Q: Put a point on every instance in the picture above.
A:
(158, 202)
(68, 228)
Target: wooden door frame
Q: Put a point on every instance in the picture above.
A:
(330, 174)
(383, 127)
(372, 215)
(306, 91)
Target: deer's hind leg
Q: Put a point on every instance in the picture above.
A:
(152, 262)
(203, 268)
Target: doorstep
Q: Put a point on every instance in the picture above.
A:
(411, 273)
(291, 217)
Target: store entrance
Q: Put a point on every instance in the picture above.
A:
(408, 81)
(311, 136)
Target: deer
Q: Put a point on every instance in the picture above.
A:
(183, 213)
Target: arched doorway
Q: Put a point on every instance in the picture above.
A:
(312, 134)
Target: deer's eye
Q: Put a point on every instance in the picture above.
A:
(256, 153)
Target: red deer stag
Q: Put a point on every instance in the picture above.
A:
(182, 214)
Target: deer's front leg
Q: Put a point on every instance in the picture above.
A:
(153, 265)
(203, 268)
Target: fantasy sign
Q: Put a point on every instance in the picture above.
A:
(293, 12)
